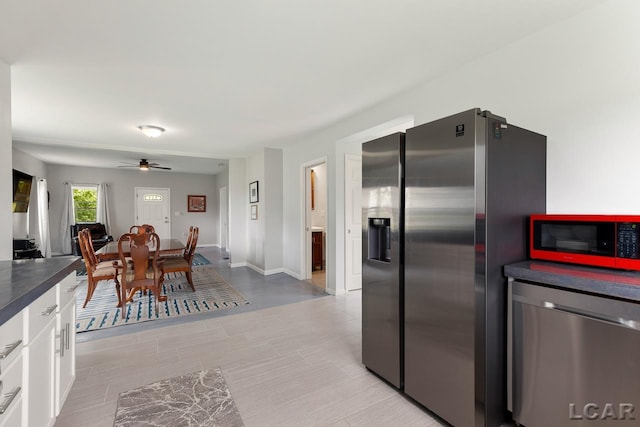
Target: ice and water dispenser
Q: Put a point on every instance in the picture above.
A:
(380, 239)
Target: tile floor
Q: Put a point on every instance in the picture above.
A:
(290, 361)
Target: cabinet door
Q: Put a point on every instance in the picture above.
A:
(65, 353)
(40, 377)
(13, 417)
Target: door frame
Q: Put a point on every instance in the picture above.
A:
(135, 204)
(305, 216)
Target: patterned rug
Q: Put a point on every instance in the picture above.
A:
(198, 399)
(212, 293)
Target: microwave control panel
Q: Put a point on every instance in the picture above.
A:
(628, 240)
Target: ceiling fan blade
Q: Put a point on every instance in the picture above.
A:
(128, 166)
(159, 167)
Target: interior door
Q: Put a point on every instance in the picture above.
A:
(153, 207)
(353, 222)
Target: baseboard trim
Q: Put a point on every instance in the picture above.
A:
(209, 245)
(254, 268)
(335, 292)
(238, 264)
(292, 273)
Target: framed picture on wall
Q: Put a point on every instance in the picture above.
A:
(253, 192)
(254, 211)
(196, 203)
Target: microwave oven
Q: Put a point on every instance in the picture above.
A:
(611, 241)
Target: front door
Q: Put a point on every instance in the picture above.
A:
(153, 207)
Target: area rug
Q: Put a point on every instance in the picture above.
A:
(200, 260)
(212, 293)
(198, 399)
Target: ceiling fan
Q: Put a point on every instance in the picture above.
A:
(145, 165)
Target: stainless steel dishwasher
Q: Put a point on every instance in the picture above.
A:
(574, 358)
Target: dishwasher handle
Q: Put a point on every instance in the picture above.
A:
(612, 320)
(617, 321)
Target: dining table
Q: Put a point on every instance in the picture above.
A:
(109, 252)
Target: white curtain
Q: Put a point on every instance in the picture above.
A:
(42, 204)
(68, 218)
(102, 214)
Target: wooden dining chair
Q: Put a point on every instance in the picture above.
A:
(183, 263)
(97, 270)
(139, 267)
(142, 229)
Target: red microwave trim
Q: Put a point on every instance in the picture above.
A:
(593, 260)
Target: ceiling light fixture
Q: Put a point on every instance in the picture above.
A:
(151, 131)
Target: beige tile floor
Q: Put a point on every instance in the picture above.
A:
(292, 365)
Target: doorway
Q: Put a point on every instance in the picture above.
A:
(153, 207)
(316, 223)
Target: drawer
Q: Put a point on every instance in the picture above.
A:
(40, 312)
(11, 393)
(66, 290)
(11, 340)
(13, 416)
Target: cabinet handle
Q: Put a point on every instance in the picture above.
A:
(9, 398)
(68, 331)
(73, 288)
(62, 333)
(9, 348)
(49, 310)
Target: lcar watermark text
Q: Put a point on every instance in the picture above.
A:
(607, 411)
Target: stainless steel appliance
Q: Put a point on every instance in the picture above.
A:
(571, 364)
(382, 293)
(470, 182)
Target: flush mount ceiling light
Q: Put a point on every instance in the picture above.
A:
(151, 131)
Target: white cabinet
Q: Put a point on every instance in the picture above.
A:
(49, 354)
(11, 372)
(65, 340)
(11, 399)
(38, 410)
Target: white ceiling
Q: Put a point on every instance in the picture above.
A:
(227, 77)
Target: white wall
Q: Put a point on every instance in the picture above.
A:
(256, 227)
(272, 212)
(576, 82)
(222, 180)
(122, 198)
(238, 212)
(6, 174)
(265, 233)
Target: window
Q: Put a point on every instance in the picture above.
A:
(85, 203)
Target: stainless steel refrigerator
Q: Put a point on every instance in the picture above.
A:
(470, 181)
(382, 297)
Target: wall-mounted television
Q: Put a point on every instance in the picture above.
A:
(21, 191)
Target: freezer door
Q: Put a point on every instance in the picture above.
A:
(440, 169)
(381, 257)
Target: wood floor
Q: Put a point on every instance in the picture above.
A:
(291, 365)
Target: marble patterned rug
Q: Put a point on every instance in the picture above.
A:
(198, 399)
(212, 293)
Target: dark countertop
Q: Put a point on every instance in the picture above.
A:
(602, 281)
(23, 281)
